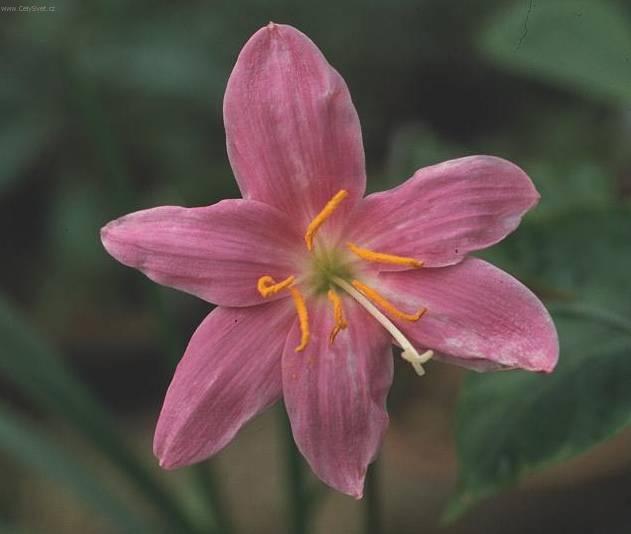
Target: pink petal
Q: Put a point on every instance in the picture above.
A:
(478, 316)
(335, 395)
(293, 135)
(445, 211)
(229, 373)
(217, 253)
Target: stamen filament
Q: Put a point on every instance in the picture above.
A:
(338, 314)
(385, 304)
(381, 257)
(409, 352)
(303, 318)
(319, 219)
(267, 286)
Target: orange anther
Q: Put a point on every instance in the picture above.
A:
(319, 219)
(386, 305)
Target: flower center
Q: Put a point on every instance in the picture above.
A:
(332, 269)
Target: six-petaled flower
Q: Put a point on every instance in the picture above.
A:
(314, 282)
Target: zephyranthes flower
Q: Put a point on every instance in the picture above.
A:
(314, 282)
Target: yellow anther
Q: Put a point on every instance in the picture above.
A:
(319, 219)
(303, 318)
(380, 257)
(338, 314)
(267, 286)
(384, 304)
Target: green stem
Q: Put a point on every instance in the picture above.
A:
(202, 475)
(205, 481)
(372, 509)
(297, 495)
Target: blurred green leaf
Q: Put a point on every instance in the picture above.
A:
(414, 146)
(584, 46)
(77, 214)
(22, 138)
(511, 423)
(8, 528)
(39, 373)
(571, 184)
(157, 59)
(35, 450)
(577, 259)
(567, 167)
(571, 170)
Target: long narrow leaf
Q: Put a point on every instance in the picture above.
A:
(34, 450)
(39, 373)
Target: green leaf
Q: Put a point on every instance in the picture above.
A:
(511, 423)
(580, 258)
(414, 146)
(29, 125)
(22, 138)
(8, 528)
(40, 374)
(36, 451)
(583, 46)
(77, 213)
(154, 59)
(569, 185)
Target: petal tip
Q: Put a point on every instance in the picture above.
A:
(106, 234)
(274, 30)
(545, 361)
(550, 365)
(358, 493)
(103, 233)
(549, 362)
(547, 370)
(164, 464)
(169, 465)
(508, 168)
(356, 488)
(111, 236)
(353, 486)
(166, 461)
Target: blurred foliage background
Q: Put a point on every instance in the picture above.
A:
(111, 106)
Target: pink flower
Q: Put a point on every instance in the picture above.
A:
(314, 282)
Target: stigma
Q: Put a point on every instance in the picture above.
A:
(331, 276)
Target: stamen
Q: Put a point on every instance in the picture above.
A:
(409, 352)
(319, 219)
(386, 305)
(267, 286)
(338, 314)
(303, 318)
(380, 257)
